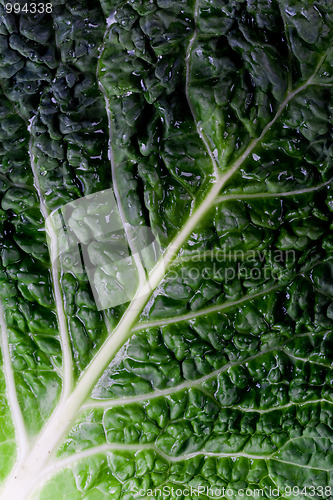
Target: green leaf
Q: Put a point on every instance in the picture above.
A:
(166, 254)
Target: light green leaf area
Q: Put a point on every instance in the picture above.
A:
(7, 433)
(209, 123)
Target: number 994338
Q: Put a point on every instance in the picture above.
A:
(28, 8)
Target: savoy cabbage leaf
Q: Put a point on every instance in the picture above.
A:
(205, 128)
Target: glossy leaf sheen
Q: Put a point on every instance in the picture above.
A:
(212, 122)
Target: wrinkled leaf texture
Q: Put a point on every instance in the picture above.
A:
(212, 122)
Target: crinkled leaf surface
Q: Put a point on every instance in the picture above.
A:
(211, 120)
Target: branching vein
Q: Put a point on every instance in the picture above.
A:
(67, 375)
(21, 434)
(248, 196)
(204, 312)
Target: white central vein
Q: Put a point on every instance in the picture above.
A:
(19, 485)
(67, 371)
(23, 442)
